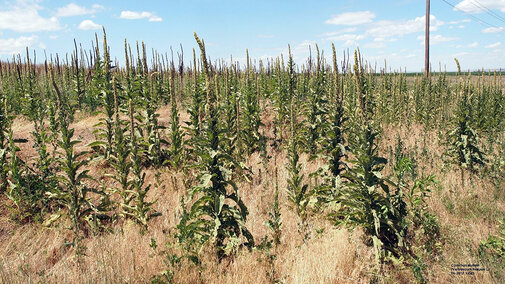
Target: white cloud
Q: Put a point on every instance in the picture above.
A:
(11, 46)
(348, 39)
(436, 39)
(460, 54)
(499, 50)
(459, 22)
(386, 29)
(155, 19)
(302, 47)
(493, 30)
(24, 17)
(381, 39)
(266, 57)
(73, 9)
(375, 44)
(351, 18)
(493, 45)
(89, 25)
(389, 31)
(132, 15)
(473, 44)
(341, 31)
(475, 7)
(299, 51)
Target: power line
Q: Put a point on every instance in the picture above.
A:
(473, 16)
(488, 11)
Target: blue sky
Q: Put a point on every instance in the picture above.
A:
(385, 29)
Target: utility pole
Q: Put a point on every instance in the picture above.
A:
(427, 41)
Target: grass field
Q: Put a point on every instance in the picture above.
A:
(327, 172)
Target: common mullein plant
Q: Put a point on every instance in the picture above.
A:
(197, 99)
(42, 139)
(120, 159)
(366, 199)
(73, 192)
(5, 122)
(16, 189)
(250, 115)
(417, 229)
(232, 114)
(26, 189)
(102, 88)
(316, 109)
(137, 208)
(336, 124)
(194, 126)
(298, 192)
(152, 137)
(281, 97)
(334, 142)
(176, 154)
(274, 222)
(78, 79)
(218, 214)
(462, 140)
(230, 109)
(37, 112)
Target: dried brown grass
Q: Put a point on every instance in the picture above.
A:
(32, 253)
